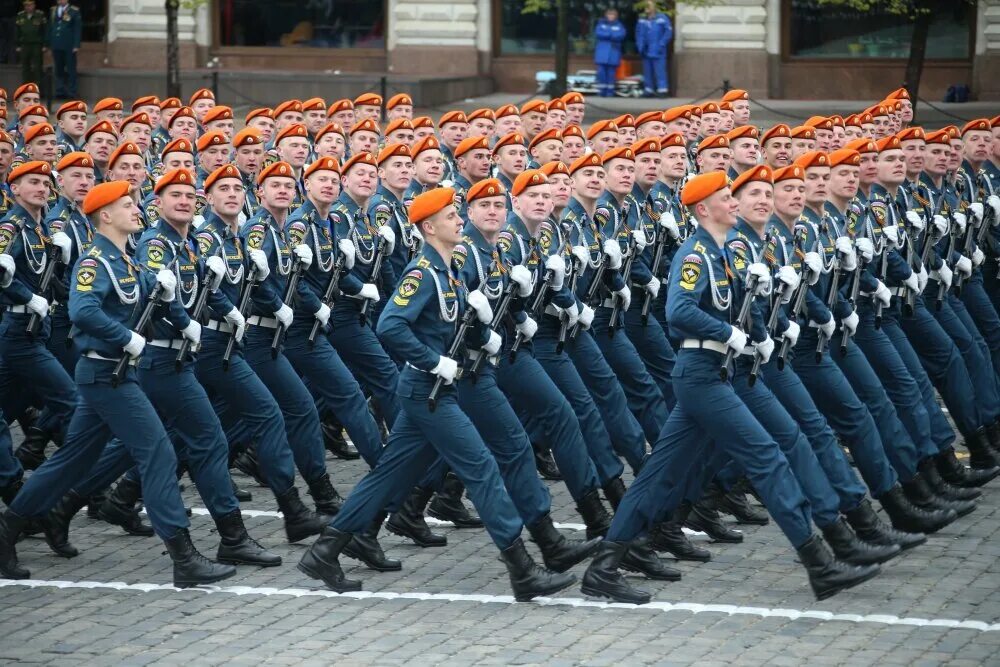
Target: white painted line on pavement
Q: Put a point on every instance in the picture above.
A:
(692, 607)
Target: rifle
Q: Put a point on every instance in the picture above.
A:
(942, 290)
(43, 286)
(376, 268)
(147, 314)
(564, 321)
(592, 292)
(748, 297)
(293, 283)
(772, 325)
(498, 314)
(251, 282)
(661, 248)
(831, 300)
(616, 310)
(199, 307)
(329, 296)
(852, 299)
(456, 345)
(536, 305)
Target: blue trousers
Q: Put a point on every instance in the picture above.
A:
(64, 65)
(60, 344)
(976, 353)
(104, 411)
(983, 312)
(330, 380)
(418, 437)
(654, 74)
(654, 349)
(359, 348)
(710, 416)
(607, 75)
(642, 393)
(10, 467)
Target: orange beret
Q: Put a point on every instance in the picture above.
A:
(507, 110)
(103, 194)
(820, 123)
(938, 137)
(322, 164)
(183, 112)
(368, 99)
(35, 131)
(893, 106)
(286, 106)
(25, 89)
(75, 105)
(396, 100)
(952, 131)
(109, 104)
(179, 145)
(279, 169)
(854, 120)
(482, 113)
(248, 136)
(261, 112)
(735, 95)
(340, 105)
(170, 103)
(803, 132)
(813, 159)
(314, 104)
(75, 159)
(33, 167)
(427, 204)
(573, 97)
(837, 120)
(589, 160)
(554, 167)
(512, 139)
(671, 140)
(602, 126)
(361, 158)
(140, 117)
(146, 101)
(790, 173)
(174, 177)
(422, 121)
(488, 187)
(779, 130)
(528, 179)
(703, 186)
(709, 107)
(911, 134)
(33, 110)
(218, 112)
(743, 132)
(428, 143)
(759, 173)
(452, 117)
(647, 145)
(398, 124)
(556, 104)
(845, 156)
(898, 94)
(471, 144)
(982, 124)
(328, 128)
(545, 135)
(995, 122)
(100, 126)
(877, 110)
(293, 130)
(127, 148)
(225, 171)
(201, 94)
(213, 138)
(648, 117)
(625, 120)
(5, 138)
(862, 145)
(619, 153)
(725, 106)
(714, 141)
(534, 105)
(887, 143)
(395, 150)
(366, 125)
(674, 113)
(572, 131)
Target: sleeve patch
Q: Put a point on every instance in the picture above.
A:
(382, 214)
(296, 232)
(7, 232)
(255, 237)
(205, 241)
(86, 273)
(506, 241)
(459, 255)
(690, 272)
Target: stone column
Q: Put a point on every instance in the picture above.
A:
(986, 58)
(137, 34)
(430, 36)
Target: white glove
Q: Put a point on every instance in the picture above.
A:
(168, 284)
(639, 234)
(792, 332)
(790, 278)
(557, 265)
(479, 303)
(323, 314)
(586, 316)
(8, 267)
(527, 328)
(493, 344)
(883, 294)
(135, 345)
(763, 274)
(217, 268)
(943, 275)
(446, 369)
(653, 287)
(848, 258)
(284, 315)
(259, 260)
(993, 202)
(65, 245)
(737, 340)
(305, 255)
(827, 328)
(978, 257)
(390, 238)
(850, 323)
(940, 225)
(347, 248)
(521, 277)
(626, 294)
(964, 266)
(891, 235)
(369, 291)
(614, 253)
(922, 278)
(815, 266)
(573, 314)
(765, 347)
(192, 332)
(865, 248)
(977, 211)
(38, 305)
(669, 223)
(915, 220)
(960, 220)
(582, 254)
(237, 321)
(912, 282)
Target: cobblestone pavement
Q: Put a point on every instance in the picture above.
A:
(751, 605)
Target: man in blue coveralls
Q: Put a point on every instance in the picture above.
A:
(653, 33)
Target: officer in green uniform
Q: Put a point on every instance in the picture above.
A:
(65, 26)
(30, 38)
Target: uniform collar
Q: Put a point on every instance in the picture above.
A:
(347, 203)
(461, 181)
(779, 224)
(105, 247)
(477, 238)
(386, 195)
(164, 229)
(707, 240)
(743, 227)
(214, 223)
(434, 258)
(515, 224)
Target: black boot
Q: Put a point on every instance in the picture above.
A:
(241, 495)
(595, 515)
(614, 491)
(545, 464)
(320, 562)
(827, 575)
(941, 488)
(94, 503)
(11, 526)
(409, 520)
(527, 579)
(640, 557)
(9, 492)
(919, 493)
(905, 516)
(848, 548)
(869, 527)
(246, 462)
(734, 502)
(336, 443)
(993, 437)
(705, 517)
(365, 548)
(327, 500)
(981, 457)
(669, 536)
(953, 472)
(603, 580)
(558, 552)
(120, 508)
(57, 521)
(300, 521)
(31, 453)
(448, 506)
(190, 567)
(236, 547)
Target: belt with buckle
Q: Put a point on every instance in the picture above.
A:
(261, 321)
(695, 344)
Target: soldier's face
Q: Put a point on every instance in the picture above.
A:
(728, 121)
(226, 197)
(746, 152)
(286, 118)
(345, 118)
(720, 208)
(315, 120)
(277, 192)
(817, 185)
(512, 160)
(488, 214)
(368, 111)
(575, 113)
(713, 159)
(201, 107)
(166, 115)
(421, 132)
(214, 157)
(995, 146)
(76, 182)
(869, 168)
(32, 190)
(31, 121)
(475, 164)
(264, 125)
(445, 225)
(397, 172)
(323, 186)
(6, 157)
(113, 116)
(27, 100)
(881, 126)
(73, 123)
(839, 138)
(957, 145)
(400, 111)
(429, 167)
(120, 218)
(533, 122)
(851, 132)
(547, 151)
(741, 112)
(653, 128)
(914, 152)
(224, 126)
(482, 127)
(977, 145)
(184, 128)
(588, 182)
(401, 136)
(778, 152)
(673, 163)
(555, 118)
(453, 133)
(508, 124)
(360, 181)
(936, 162)
(128, 168)
(294, 151)
(790, 197)
(626, 136)
(844, 181)
(363, 141)
(647, 169)
(604, 141)
(905, 111)
(331, 144)
(177, 204)
(534, 204)
(138, 133)
(100, 146)
(710, 123)
(891, 167)
(44, 148)
(756, 202)
(573, 148)
(868, 130)
(151, 110)
(249, 158)
(801, 147)
(824, 139)
(562, 187)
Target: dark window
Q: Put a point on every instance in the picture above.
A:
(94, 13)
(313, 23)
(823, 31)
(535, 33)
